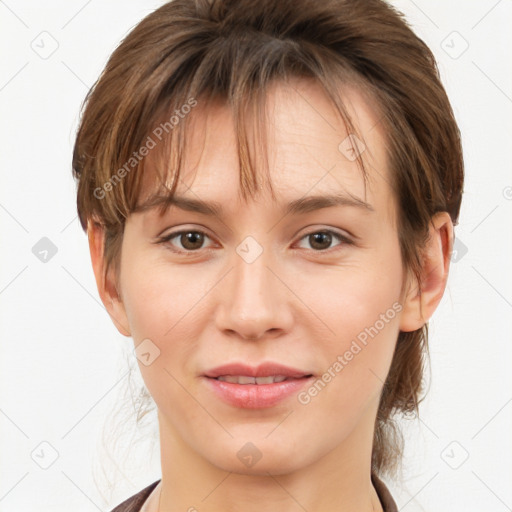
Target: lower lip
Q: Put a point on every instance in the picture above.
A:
(256, 396)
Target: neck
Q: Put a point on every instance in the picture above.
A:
(339, 481)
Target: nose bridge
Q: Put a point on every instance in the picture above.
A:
(253, 301)
(251, 270)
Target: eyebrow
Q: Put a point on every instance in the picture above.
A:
(296, 207)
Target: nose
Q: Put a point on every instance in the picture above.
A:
(254, 302)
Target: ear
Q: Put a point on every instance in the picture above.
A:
(107, 286)
(422, 299)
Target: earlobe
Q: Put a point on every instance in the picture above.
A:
(106, 282)
(422, 299)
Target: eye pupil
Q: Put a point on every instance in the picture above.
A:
(318, 238)
(191, 237)
(194, 240)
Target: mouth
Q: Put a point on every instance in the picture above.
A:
(257, 387)
(245, 379)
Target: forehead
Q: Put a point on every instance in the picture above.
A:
(304, 146)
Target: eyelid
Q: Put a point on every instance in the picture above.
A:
(173, 234)
(344, 239)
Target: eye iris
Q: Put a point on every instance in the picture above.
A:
(190, 238)
(317, 239)
(194, 240)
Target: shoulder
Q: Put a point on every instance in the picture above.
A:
(385, 497)
(135, 502)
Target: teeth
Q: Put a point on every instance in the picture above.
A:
(230, 378)
(243, 379)
(265, 380)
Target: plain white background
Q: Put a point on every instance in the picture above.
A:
(62, 361)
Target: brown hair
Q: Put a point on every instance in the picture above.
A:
(231, 50)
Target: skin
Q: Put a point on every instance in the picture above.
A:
(298, 303)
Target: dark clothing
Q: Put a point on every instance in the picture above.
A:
(134, 503)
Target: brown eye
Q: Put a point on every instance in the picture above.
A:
(191, 240)
(321, 241)
(185, 240)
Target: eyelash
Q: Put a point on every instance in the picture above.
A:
(167, 238)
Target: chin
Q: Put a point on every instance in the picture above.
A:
(259, 457)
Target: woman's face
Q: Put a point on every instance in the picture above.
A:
(315, 289)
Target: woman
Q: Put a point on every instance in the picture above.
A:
(269, 191)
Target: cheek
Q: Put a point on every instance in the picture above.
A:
(361, 308)
(159, 301)
(349, 300)
(163, 306)
(356, 363)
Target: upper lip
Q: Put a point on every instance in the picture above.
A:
(262, 370)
